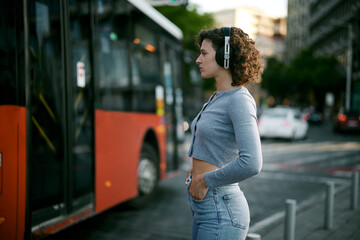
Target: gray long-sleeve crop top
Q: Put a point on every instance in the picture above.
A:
(225, 134)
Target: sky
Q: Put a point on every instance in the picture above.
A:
(275, 8)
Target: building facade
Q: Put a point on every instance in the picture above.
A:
(267, 32)
(334, 29)
(297, 28)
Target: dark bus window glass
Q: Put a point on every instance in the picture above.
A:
(145, 67)
(168, 72)
(177, 69)
(111, 55)
(145, 57)
(178, 86)
(47, 98)
(81, 108)
(8, 79)
(144, 99)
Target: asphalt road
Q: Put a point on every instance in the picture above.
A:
(292, 170)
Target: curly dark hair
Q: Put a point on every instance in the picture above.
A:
(246, 65)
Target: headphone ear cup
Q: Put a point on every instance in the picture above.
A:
(219, 56)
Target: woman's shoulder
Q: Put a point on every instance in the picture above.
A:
(241, 100)
(242, 94)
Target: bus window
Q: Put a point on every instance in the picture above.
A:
(168, 74)
(178, 96)
(145, 57)
(111, 55)
(145, 68)
(8, 57)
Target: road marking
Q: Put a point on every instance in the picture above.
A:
(301, 147)
(301, 178)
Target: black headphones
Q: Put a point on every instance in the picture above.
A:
(223, 54)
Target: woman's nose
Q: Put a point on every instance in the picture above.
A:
(198, 61)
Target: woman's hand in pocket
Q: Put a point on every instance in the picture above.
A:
(198, 187)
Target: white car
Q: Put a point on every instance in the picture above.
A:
(282, 122)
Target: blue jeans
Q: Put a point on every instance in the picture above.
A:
(222, 215)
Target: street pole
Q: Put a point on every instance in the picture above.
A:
(329, 205)
(349, 67)
(354, 190)
(290, 218)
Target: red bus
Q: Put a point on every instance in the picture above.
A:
(90, 109)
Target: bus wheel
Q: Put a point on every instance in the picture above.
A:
(147, 176)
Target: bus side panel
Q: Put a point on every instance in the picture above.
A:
(118, 140)
(12, 172)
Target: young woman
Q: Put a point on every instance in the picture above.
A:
(225, 146)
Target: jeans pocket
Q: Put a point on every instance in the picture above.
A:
(204, 211)
(206, 198)
(238, 210)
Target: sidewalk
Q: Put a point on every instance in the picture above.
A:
(309, 223)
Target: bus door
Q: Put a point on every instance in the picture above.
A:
(171, 71)
(60, 122)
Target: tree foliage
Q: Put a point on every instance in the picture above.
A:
(189, 20)
(273, 78)
(306, 79)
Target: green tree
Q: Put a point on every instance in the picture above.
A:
(274, 79)
(189, 20)
(306, 79)
(314, 76)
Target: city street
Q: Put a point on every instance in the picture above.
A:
(292, 170)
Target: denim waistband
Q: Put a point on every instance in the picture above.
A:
(224, 187)
(228, 186)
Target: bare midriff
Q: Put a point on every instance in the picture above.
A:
(200, 167)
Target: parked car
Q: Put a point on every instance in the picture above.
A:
(313, 116)
(283, 122)
(347, 120)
